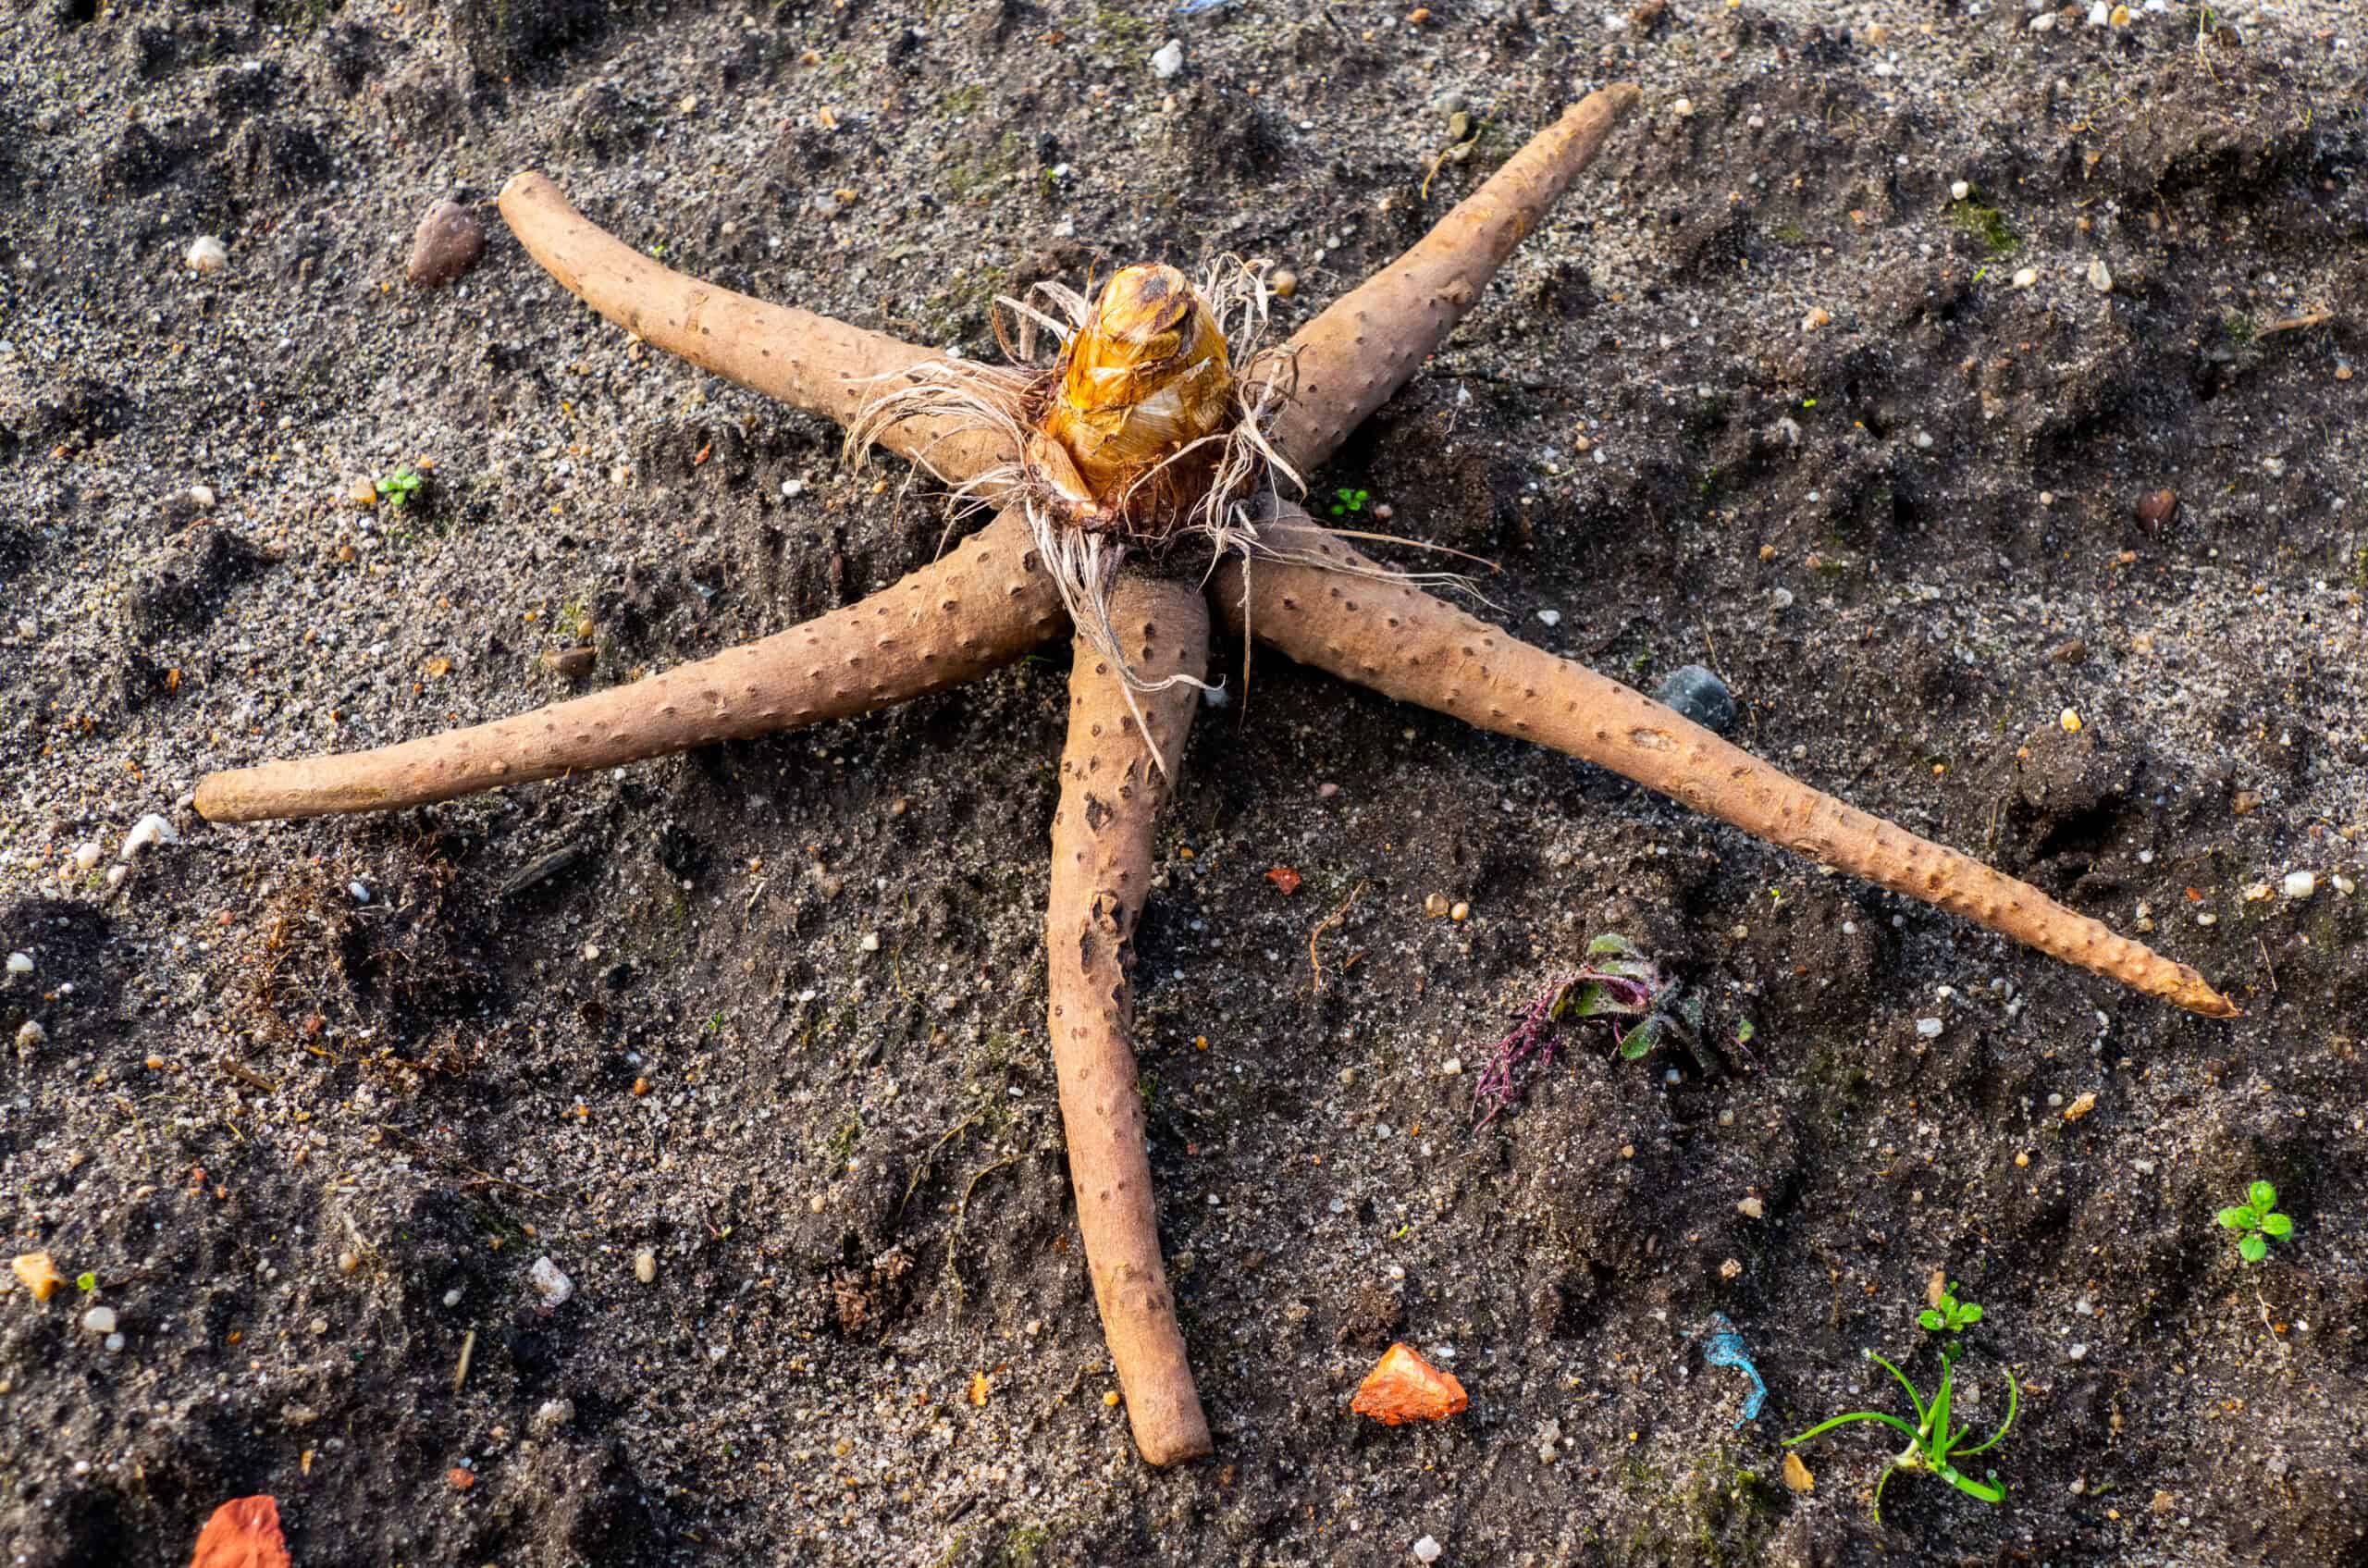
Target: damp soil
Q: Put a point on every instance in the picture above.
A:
(1763, 395)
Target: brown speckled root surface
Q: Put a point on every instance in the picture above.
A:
(902, 642)
(1364, 346)
(811, 362)
(1417, 647)
(1111, 792)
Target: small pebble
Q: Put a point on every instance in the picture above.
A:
(2100, 14)
(2344, 884)
(201, 495)
(550, 1283)
(2026, 277)
(21, 963)
(2100, 277)
(30, 1034)
(448, 242)
(115, 875)
(1817, 317)
(1427, 1550)
(1929, 1027)
(2043, 22)
(1682, 109)
(1549, 617)
(1168, 59)
(1459, 912)
(88, 855)
(115, 1343)
(645, 1266)
(206, 254)
(1436, 906)
(348, 1262)
(2070, 720)
(1284, 282)
(1699, 695)
(1752, 1208)
(2078, 1353)
(1959, 191)
(869, 942)
(552, 1414)
(792, 488)
(100, 1320)
(2298, 885)
(2157, 508)
(570, 663)
(147, 833)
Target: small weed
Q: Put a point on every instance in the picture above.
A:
(1347, 503)
(1986, 224)
(86, 1281)
(2257, 1219)
(1933, 1442)
(2241, 328)
(398, 490)
(1616, 981)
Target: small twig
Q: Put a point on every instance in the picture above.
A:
(2263, 943)
(1327, 923)
(468, 1349)
(2296, 323)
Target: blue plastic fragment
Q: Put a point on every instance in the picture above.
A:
(1726, 1348)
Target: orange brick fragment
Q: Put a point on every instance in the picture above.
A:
(243, 1533)
(1403, 1387)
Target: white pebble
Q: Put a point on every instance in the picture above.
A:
(1167, 59)
(870, 942)
(792, 488)
(1929, 1027)
(1780, 599)
(115, 875)
(21, 963)
(115, 1343)
(550, 1283)
(2100, 14)
(147, 833)
(206, 254)
(201, 495)
(1550, 617)
(30, 1034)
(359, 891)
(2026, 277)
(645, 1266)
(87, 854)
(1959, 191)
(2298, 885)
(2043, 22)
(1682, 109)
(453, 1297)
(99, 1320)
(552, 1414)
(2344, 884)
(2101, 276)
(1428, 1551)
(2078, 1353)
(1452, 1067)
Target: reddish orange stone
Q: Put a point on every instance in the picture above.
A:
(1403, 1387)
(243, 1533)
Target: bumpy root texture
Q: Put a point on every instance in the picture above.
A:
(1111, 790)
(978, 608)
(808, 361)
(1415, 647)
(1368, 343)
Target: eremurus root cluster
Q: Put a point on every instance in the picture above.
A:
(1147, 434)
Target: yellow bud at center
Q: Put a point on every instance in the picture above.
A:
(1143, 379)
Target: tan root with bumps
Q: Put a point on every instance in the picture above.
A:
(1161, 428)
(1111, 784)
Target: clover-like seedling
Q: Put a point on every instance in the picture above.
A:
(1932, 1443)
(1347, 503)
(2257, 1219)
(397, 489)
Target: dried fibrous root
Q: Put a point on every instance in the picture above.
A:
(985, 604)
(1341, 366)
(808, 361)
(1111, 792)
(1337, 615)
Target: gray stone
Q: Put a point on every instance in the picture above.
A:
(1701, 696)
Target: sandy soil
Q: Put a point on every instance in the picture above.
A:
(311, 1101)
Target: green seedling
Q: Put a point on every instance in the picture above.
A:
(86, 1281)
(397, 489)
(1347, 503)
(1932, 1443)
(1950, 1315)
(2257, 1220)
